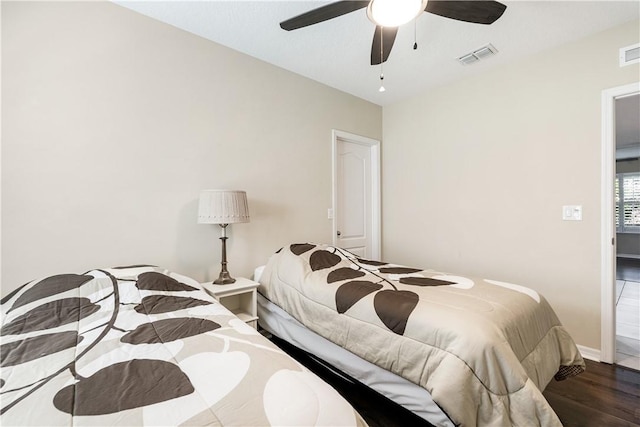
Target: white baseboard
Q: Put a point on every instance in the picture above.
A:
(589, 353)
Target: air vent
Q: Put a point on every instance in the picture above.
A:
(630, 55)
(478, 54)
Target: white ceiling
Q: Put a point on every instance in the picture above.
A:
(336, 52)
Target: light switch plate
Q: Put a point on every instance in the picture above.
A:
(572, 213)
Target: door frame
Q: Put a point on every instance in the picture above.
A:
(608, 231)
(374, 150)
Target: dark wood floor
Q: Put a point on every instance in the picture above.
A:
(603, 396)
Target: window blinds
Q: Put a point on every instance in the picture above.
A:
(628, 203)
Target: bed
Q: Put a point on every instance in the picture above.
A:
(141, 346)
(455, 350)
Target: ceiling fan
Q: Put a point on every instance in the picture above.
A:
(388, 15)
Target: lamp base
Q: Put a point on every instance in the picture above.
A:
(224, 278)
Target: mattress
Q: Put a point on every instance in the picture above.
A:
(146, 346)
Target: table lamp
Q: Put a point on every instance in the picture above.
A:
(223, 207)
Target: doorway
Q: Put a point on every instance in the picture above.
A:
(356, 194)
(616, 312)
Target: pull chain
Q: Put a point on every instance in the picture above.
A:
(382, 89)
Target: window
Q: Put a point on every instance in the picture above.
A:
(628, 202)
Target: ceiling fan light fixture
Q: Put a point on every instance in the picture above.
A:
(393, 13)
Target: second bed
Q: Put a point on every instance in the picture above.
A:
(454, 350)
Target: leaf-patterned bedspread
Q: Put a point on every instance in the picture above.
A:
(483, 349)
(144, 346)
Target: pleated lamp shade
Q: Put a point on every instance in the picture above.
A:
(223, 207)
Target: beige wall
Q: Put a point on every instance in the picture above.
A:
(482, 167)
(113, 123)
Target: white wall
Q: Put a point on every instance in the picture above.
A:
(114, 122)
(482, 167)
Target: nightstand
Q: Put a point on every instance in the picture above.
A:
(239, 297)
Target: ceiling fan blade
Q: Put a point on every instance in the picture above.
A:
(321, 14)
(387, 35)
(476, 11)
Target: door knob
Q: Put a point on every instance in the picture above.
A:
(339, 233)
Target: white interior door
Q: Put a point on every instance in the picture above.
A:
(357, 195)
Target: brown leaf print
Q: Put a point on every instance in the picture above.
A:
(344, 273)
(153, 281)
(51, 315)
(51, 286)
(319, 260)
(154, 304)
(394, 308)
(371, 262)
(300, 248)
(424, 281)
(167, 330)
(122, 386)
(29, 349)
(352, 292)
(399, 270)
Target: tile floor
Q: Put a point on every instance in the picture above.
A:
(628, 323)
